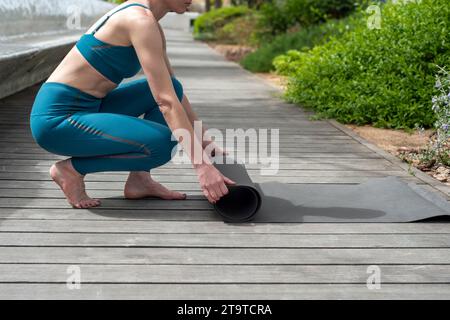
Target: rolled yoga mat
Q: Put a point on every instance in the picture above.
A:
(378, 199)
(243, 200)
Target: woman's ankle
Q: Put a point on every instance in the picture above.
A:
(72, 169)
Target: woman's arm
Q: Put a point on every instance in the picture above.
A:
(169, 67)
(185, 102)
(147, 41)
(193, 117)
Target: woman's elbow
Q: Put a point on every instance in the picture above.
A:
(167, 103)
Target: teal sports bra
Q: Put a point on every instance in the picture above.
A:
(113, 62)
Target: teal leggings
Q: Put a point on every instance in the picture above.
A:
(104, 134)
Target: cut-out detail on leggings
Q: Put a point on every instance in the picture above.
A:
(98, 132)
(84, 128)
(146, 150)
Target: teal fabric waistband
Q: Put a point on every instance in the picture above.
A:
(55, 98)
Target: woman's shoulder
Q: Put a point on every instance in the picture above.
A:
(139, 15)
(141, 22)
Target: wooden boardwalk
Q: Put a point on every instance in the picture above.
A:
(180, 249)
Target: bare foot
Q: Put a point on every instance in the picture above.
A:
(72, 184)
(142, 186)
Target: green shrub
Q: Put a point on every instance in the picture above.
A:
(273, 20)
(308, 12)
(208, 23)
(239, 31)
(305, 39)
(277, 16)
(380, 76)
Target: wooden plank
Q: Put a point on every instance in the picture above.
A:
(176, 175)
(225, 291)
(56, 193)
(28, 147)
(221, 122)
(288, 151)
(213, 122)
(28, 141)
(29, 184)
(285, 162)
(283, 168)
(240, 240)
(193, 203)
(224, 256)
(109, 214)
(20, 132)
(176, 274)
(342, 155)
(93, 185)
(202, 227)
(25, 129)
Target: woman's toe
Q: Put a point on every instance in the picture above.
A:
(96, 203)
(178, 195)
(93, 203)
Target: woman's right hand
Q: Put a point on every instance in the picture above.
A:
(212, 182)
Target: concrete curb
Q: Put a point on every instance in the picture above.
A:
(25, 68)
(36, 35)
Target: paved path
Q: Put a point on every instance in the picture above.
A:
(159, 249)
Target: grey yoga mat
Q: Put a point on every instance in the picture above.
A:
(379, 199)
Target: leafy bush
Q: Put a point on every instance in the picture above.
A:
(441, 108)
(303, 40)
(380, 76)
(277, 16)
(208, 23)
(273, 20)
(239, 31)
(308, 12)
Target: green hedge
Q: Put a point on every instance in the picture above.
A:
(279, 15)
(240, 30)
(303, 40)
(380, 76)
(207, 24)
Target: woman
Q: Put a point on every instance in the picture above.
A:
(81, 110)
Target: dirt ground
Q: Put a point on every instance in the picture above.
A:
(402, 144)
(230, 51)
(392, 140)
(275, 79)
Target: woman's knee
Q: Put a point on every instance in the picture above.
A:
(178, 88)
(164, 148)
(169, 145)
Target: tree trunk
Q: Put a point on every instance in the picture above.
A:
(218, 4)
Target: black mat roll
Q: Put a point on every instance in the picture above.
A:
(243, 199)
(378, 199)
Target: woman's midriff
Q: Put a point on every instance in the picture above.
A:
(75, 71)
